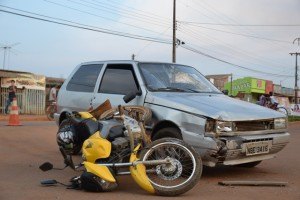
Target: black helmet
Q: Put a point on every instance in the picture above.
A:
(65, 137)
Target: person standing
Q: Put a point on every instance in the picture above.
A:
(262, 100)
(11, 95)
(53, 93)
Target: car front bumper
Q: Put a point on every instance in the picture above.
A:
(236, 148)
(231, 150)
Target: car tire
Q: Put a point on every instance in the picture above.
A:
(169, 132)
(249, 165)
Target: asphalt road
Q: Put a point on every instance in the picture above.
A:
(24, 148)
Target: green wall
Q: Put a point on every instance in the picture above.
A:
(246, 85)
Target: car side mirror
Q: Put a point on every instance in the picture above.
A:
(225, 92)
(130, 96)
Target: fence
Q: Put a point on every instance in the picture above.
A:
(29, 101)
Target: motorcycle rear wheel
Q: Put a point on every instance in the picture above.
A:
(181, 176)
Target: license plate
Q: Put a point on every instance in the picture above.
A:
(255, 148)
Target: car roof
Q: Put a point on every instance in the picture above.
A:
(124, 61)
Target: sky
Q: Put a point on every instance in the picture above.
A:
(54, 50)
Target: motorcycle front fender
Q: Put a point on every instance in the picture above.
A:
(139, 175)
(99, 170)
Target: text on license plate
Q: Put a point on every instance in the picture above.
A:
(255, 148)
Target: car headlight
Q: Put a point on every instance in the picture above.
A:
(280, 123)
(223, 127)
(215, 128)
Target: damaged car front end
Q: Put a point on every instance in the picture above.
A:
(241, 142)
(223, 130)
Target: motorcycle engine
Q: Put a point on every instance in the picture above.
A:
(120, 143)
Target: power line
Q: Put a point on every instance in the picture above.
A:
(86, 27)
(212, 10)
(228, 19)
(146, 13)
(119, 12)
(214, 41)
(132, 12)
(245, 35)
(232, 64)
(220, 24)
(196, 10)
(149, 43)
(96, 15)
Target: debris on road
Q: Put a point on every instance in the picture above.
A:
(253, 183)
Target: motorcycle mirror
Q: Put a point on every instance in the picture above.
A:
(128, 97)
(46, 166)
(49, 182)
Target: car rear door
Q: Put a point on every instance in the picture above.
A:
(118, 80)
(79, 91)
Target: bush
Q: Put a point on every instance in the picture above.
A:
(294, 118)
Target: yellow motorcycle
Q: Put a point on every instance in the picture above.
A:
(119, 145)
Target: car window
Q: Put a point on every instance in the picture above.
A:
(118, 79)
(85, 78)
(174, 77)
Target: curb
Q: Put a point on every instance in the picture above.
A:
(26, 118)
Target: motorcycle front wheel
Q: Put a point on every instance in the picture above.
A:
(50, 110)
(177, 177)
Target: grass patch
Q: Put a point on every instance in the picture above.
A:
(294, 118)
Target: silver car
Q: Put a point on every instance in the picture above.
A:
(185, 105)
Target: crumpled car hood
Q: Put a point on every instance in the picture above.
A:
(216, 106)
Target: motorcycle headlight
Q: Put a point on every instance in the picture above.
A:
(280, 123)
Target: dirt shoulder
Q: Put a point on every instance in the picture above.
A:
(5, 118)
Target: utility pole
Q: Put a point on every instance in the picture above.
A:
(296, 70)
(6, 49)
(231, 84)
(296, 76)
(174, 33)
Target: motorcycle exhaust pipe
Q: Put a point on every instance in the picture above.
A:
(129, 164)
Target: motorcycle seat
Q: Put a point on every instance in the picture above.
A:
(84, 128)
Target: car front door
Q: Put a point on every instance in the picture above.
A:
(117, 81)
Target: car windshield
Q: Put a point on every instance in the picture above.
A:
(175, 78)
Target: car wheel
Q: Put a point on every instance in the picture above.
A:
(169, 132)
